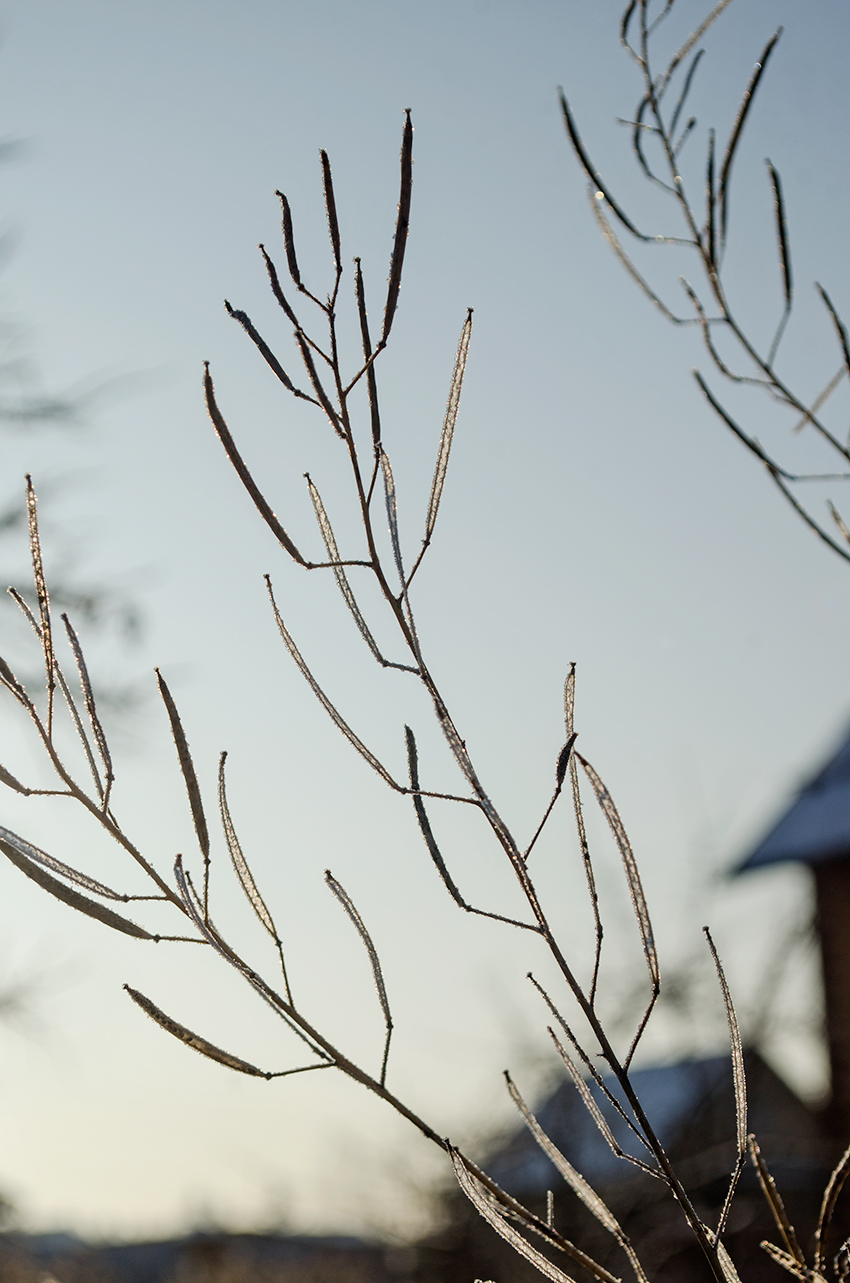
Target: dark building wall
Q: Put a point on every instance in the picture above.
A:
(832, 882)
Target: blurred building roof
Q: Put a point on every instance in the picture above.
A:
(816, 827)
(692, 1108)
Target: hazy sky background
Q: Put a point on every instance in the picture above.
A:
(595, 511)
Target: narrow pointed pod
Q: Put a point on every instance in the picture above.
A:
(686, 89)
(684, 136)
(424, 822)
(625, 22)
(28, 851)
(810, 521)
(366, 340)
(781, 234)
(283, 1009)
(447, 435)
(740, 1084)
(7, 778)
(587, 1062)
(692, 40)
(737, 128)
(391, 504)
(791, 1264)
(262, 347)
(392, 522)
(321, 395)
(784, 263)
(274, 281)
(593, 174)
(661, 16)
(39, 875)
(639, 126)
(478, 1195)
(239, 466)
(190, 779)
(72, 789)
(776, 1205)
(820, 399)
(608, 232)
(329, 708)
(293, 1019)
(10, 681)
(582, 1188)
(434, 850)
(43, 599)
(560, 772)
(330, 207)
(329, 540)
(564, 759)
(596, 1114)
(710, 204)
(639, 905)
(706, 323)
(70, 702)
(244, 874)
(584, 845)
(840, 327)
(739, 432)
(727, 1265)
(193, 1040)
(91, 708)
(377, 974)
(289, 240)
(830, 1197)
(839, 520)
(402, 226)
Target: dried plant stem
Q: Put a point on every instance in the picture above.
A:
(707, 240)
(384, 559)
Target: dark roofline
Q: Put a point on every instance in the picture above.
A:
(816, 827)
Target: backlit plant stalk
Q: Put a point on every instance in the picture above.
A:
(337, 394)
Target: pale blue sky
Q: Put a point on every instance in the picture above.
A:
(595, 511)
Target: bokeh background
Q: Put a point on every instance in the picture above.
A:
(595, 511)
